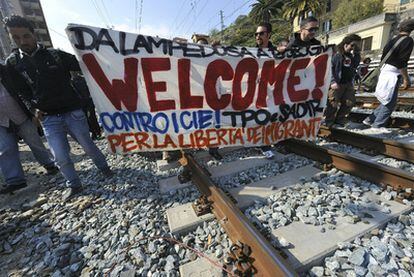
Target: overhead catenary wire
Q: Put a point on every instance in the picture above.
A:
(106, 12)
(185, 17)
(196, 17)
(212, 17)
(178, 13)
(232, 13)
(100, 14)
(60, 34)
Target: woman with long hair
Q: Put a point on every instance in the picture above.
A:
(341, 97)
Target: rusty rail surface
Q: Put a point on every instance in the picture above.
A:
(395, 122)
(391, 148)
(267, 261)
(402, 100)
(371, 171)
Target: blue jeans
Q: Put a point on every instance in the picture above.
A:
(10, 164)
(56, 128)
(382, 113)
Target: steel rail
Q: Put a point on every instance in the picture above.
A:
(402, 100)
(267, 261)
(394, 122)
(371, 171)
(390, 148)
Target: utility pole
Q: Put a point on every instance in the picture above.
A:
(222, 24)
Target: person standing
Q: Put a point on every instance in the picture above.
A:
(16, 121)
(392, 73)
(262, 36)
(52, 95)
(341, 97)
(306, 35)
(362, 70)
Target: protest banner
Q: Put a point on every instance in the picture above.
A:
(155, 94)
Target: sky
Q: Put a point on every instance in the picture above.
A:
(165, 18)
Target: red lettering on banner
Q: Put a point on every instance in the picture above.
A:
(120, 91)
(293, 80)
(250, 67)
(215, 70)
(320, 64)
(272, 75)
(221, 133)
(150, 65)
(181, 142)
(187, 101)
(121, 140)
(289, 125)
(253, 135)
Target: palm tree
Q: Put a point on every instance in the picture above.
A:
(294, 8)
(264, 10)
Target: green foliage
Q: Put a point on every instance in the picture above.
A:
(265, 10)
(352, 11)
(293, 8)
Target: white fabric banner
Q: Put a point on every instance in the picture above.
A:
(155, 94)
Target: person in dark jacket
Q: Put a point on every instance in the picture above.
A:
(392, 73)
(57, 105)
(341, 97)
(16, 121)
(306, 35)
(262, 35)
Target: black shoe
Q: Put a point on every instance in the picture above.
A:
(12, 188)
(70, 192)
(51, 169)
(107, 172)
(215, 154)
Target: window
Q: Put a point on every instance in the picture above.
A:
(403, 2)
(327, 26)
(366, 44)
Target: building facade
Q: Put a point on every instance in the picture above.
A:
(30, 9)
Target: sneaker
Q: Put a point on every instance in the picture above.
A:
(166, 156)
(366, 122)
(71, 192)
(12, 188)
(51, 169)
(269, 154)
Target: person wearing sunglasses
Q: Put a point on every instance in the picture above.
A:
(262, 35)
(341, 97)
(309, 27)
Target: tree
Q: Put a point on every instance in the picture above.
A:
(264, 10)
(352, 11)
(294, 8)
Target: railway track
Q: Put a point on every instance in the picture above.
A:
(374, 145)
(405, 100)
(395, 122)
(253, 252)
